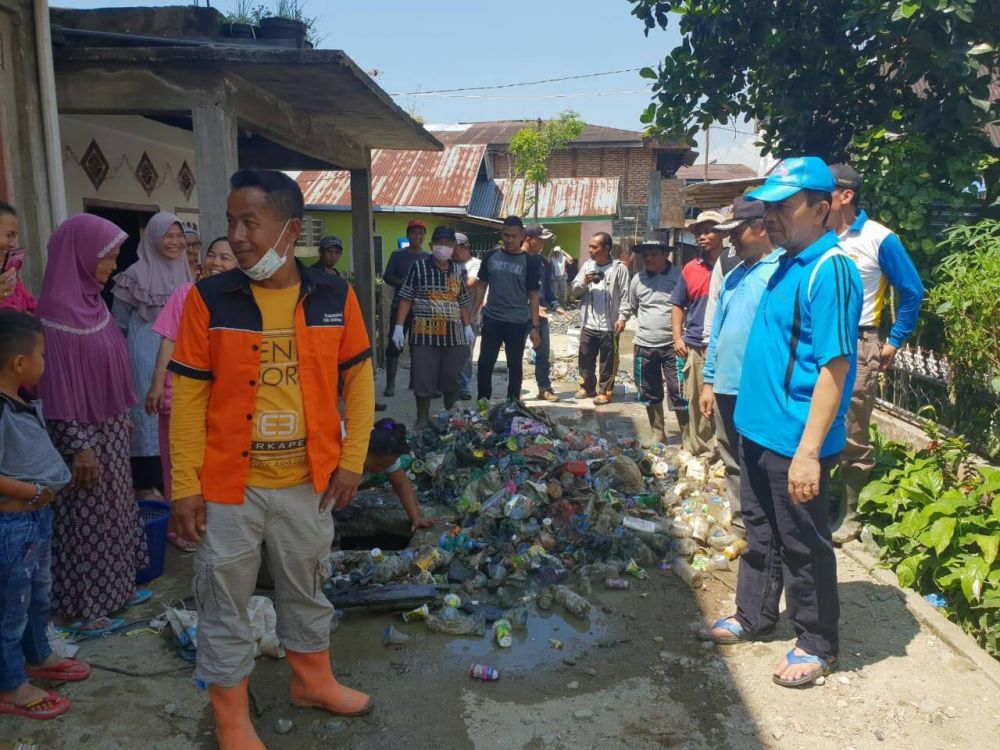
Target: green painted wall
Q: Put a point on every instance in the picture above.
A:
(392, 226)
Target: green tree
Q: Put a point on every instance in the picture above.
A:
(532, 147)
(899, 88)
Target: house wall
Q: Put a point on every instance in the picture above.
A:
(123, 140)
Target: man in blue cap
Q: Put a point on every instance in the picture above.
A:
(800, 367)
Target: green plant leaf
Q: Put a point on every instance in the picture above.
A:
(939, 534)
(907, 9)
(981, 49)
(907, 569)
(990, 545)
(973, 576)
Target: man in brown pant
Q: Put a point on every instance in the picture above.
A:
(882, 262)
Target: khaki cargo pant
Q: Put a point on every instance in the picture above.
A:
(859, 456)
(696, 436)
(298, 539)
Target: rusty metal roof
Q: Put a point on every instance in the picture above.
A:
(500, 132)
(429, 179)
(561, 198)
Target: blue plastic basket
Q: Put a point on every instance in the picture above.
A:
(155, 516)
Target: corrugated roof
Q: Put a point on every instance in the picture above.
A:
(715, 172)
(500, 132)
(561, 198)
(443, 179)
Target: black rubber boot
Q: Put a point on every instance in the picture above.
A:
(391, 365)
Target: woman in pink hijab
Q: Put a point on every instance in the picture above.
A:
(140, 293)
(98, 539)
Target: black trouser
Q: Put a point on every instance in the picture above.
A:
(594, 344)
(728, 441)
(511, 336)
(789, 546)
(654, 367)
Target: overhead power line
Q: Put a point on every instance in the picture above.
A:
(514, 85)
(543, 96)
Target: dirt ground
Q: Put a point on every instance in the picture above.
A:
(630, 676)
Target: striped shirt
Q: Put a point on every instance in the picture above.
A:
(808, 316)
(438, 297)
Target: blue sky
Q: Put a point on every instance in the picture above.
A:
(424, 45)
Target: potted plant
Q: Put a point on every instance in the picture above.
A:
(287, 22)
(240, 23)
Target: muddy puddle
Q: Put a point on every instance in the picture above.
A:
(359, 641)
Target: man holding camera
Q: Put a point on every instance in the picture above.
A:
(602, 286)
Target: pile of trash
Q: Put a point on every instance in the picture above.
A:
(541, 513)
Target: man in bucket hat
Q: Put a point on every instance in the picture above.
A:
(792, 430)
(655, 362)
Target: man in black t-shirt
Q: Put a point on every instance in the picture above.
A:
(514, 280)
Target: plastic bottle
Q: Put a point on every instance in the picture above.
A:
(420, 613)
(634, 569)
(690, 576)
(429, 560)
(679, 529)
(700, 561)
(501, 629)
(719, 539)
(718, 561)
(573, 602)
(734, 550)
(544, 600)
(700, 526)
(484, 673)
(684, 547)
(377, 555)
(641, 524)
(616, 583)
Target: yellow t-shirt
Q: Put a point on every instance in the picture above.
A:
(278, 451)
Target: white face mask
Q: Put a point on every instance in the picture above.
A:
(269, 264)
(442, 252)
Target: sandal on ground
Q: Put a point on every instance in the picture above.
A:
(184, 545)
(141, 597)
(67, 670)
(93, 629)
(825, 668)
(49, 707)
(739, 634)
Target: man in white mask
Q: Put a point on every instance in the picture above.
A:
(256, 467)
(441, 333)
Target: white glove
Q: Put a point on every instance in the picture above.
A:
(397, 337)
(470, 335)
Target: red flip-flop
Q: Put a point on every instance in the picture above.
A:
(68, 670)
(49, 707)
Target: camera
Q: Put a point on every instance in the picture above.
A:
(598, 276)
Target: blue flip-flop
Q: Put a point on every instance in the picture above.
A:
(739, 634)
(825, 668)
(78, 629)
(141, 597)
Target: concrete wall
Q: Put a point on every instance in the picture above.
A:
(123, 140)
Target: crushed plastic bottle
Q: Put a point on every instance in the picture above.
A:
(648, 526)
(718, 561)
(420, 613)
(571, 601)
(616, 583)
(690, 576)
(734, 550)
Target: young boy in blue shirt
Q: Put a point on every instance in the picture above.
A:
(800, 365)
(31, 472)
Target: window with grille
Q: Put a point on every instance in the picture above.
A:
(312, 232)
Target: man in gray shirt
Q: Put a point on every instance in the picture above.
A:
(513, 279)
(602, 285)
(655, 361)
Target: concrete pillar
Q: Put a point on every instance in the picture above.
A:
(215, 161)
(653, 212)
(362, 246)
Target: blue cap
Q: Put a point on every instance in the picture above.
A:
(443, 233)
(791, 176)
